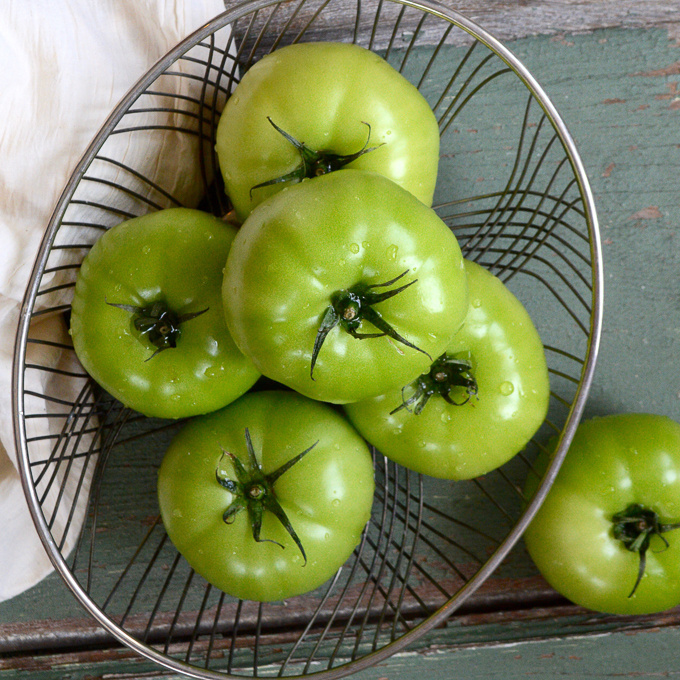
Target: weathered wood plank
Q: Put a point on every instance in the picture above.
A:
(507, 20)
(472, 647)
(513, 19)
(500, 595)
(504, 611)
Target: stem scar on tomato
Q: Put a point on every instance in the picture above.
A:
(253, 491)
(447, 375)
(350, 307)
(158, 323)
(314, 163)
(634, 527)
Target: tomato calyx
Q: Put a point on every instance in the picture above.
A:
(160, 324)
(350, 307)
(448, 376)
(314, 163)
(253, 491)
(634, 527)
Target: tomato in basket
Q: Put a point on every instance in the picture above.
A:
(481, 400)
(311, 108)
(147, 321)
(344, 286)
(267, 497)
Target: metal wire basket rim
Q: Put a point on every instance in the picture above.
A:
(566, 436)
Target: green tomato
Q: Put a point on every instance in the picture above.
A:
(604, 536)
(311, 108)
(267, 498)
(479, 403)
(344, 286)
(147, 321)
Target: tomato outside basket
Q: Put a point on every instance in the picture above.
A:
(516, 196)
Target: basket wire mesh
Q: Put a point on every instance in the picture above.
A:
(88, 465)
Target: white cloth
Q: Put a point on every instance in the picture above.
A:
(65, 65)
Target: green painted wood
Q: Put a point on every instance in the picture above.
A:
(618, 93)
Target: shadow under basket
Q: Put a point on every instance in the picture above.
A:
(512, 188)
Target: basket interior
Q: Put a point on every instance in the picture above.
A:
(508, 187)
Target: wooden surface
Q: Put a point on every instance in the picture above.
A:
(612, 68)
(510, 20)
(513, 19)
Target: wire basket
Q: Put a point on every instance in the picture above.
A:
(512, 188)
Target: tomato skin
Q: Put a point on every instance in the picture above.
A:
(469, 439)
(327, 495)
(613, 461)
(322, 94)
(328, 234)
(177, 254)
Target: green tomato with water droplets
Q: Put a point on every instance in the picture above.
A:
(147, 319)
(311, 108)
(479, 403)
(344, 286)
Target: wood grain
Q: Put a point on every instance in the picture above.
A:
(506, 20)
(513, 19)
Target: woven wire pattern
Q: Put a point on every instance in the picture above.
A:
(519, 209)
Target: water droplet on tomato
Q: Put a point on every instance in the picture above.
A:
(392, 252)
(506, 388)
(354, 247)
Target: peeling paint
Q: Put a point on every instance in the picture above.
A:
(672, 92)
(672, 70)
(652, 212)
(562, 40)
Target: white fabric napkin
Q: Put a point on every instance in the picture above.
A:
(65, 65)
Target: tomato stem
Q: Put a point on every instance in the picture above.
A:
(158, 323)
(314, 163)
(634, 527)
(350, 307)
(253, 491)
(448, 375)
